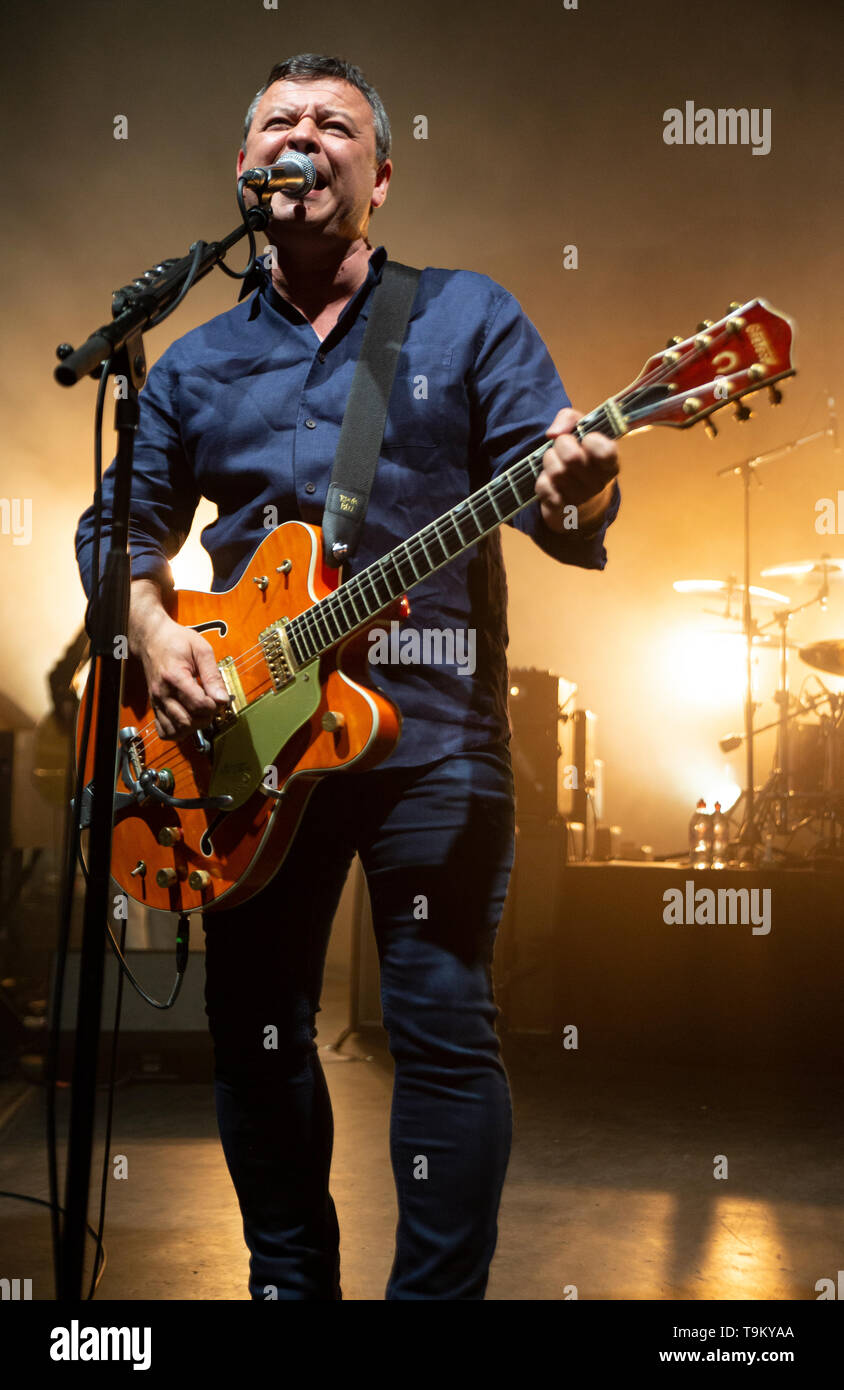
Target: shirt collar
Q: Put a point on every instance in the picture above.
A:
(260, 279)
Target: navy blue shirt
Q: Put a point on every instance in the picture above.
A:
(246, 411)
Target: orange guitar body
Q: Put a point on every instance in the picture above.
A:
(180, 859)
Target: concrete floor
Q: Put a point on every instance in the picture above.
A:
(610, 1186)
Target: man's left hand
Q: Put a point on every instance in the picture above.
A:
(578, 473)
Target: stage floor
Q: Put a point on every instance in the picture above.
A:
(610, 1186)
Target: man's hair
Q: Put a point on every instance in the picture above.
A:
(305, 65)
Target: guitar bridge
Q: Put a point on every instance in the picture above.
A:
(279, 658)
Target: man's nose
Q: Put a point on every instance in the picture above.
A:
(304, 137)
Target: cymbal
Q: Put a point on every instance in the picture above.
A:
(825, 656)
(760, 639)
(807, 569)
(727, 586)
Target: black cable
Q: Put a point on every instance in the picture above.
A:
(41, 1202)
(112, 1073)
(198, 248)
(253, 250)
(182, 939)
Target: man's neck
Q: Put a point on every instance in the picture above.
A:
(320, 281)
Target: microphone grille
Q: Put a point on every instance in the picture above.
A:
(304, 165)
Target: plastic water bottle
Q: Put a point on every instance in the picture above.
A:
(700, 837)
(720, 838)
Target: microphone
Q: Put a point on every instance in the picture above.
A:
(293, 175)
(833, 424)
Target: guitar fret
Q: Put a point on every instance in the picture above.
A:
(293, 639)
(350, 588)
(447, 521)
(409, 556)
(379, 565)
(435, 536)
(509, 483)
(421, 539)
(371, 607)
(491, 499)
(395, 585)
(321, 626)
(334, 605)
(396, 557)
(456, 520)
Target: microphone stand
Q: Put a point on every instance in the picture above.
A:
(117, 348)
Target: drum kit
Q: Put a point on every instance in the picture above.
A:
(804, 790)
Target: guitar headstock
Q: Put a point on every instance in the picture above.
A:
(748, 349)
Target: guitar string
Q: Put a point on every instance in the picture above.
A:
(332, 605)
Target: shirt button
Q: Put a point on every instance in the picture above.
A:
(320, 356)
(310, 424)
(310, 487)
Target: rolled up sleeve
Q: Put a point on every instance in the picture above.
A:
(516, 392)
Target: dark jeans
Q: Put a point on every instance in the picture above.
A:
(436, 843)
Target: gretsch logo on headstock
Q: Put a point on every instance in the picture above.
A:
(761, 343)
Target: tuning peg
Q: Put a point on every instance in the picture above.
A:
(743, 412)
(774, 395)
(704, 323)
(673, 342)
(710, 428)
(733, 305)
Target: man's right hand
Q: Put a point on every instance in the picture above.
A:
(185, 687)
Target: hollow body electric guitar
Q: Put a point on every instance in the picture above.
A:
(205, 821)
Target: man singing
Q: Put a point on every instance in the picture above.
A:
(246, 410)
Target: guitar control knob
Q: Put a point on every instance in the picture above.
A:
(332, 721)
(166, 781)
(199, 879)
(165, 878)
(170, 835)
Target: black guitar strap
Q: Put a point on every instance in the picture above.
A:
(362, 431)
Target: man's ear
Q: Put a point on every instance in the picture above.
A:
(382, 181)
(241, 160)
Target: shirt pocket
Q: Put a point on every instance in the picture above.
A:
(424, 404)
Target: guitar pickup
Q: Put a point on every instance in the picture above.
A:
(231, 680)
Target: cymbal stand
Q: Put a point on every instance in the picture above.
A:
(749, 838)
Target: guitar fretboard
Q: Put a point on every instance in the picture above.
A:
(361, 598)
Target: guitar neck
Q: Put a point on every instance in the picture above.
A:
(358, 600)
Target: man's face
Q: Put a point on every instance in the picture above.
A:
(331, 122)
